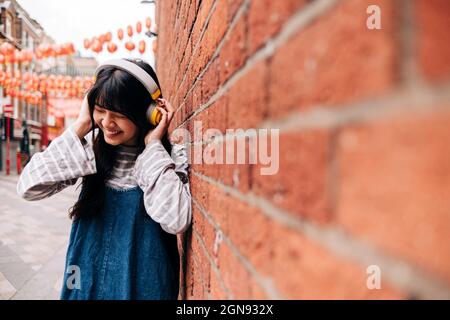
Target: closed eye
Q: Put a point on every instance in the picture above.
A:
(116, 115)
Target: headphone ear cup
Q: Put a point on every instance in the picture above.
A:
(154, 116)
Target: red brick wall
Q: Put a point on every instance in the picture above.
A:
(364, 119)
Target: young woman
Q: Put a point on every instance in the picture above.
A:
(134, 198)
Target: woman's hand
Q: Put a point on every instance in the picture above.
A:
(83, 124)
(168, 112)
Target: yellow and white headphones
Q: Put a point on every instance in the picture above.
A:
(153, 115)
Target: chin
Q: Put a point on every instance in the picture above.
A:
(113, 142)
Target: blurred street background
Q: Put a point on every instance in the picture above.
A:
(33, 242)
(49, 51)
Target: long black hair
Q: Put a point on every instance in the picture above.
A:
(121, 92)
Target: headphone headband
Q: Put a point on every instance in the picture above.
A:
(136, 71)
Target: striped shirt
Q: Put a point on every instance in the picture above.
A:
(163, 178)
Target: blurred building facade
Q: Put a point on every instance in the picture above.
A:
(44, 122)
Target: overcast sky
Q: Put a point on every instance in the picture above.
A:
(75, 20)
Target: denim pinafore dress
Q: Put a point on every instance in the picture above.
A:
(121, 254)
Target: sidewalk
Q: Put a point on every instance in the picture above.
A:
(33, 242)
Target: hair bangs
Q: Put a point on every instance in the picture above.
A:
(112, 94)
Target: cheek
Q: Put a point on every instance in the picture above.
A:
(128, 127)
(96, 117)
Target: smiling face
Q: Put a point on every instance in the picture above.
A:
(117, 128)
(118, 104)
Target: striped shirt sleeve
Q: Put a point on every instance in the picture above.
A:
(65, 160)
(180, 157)
(167, 198)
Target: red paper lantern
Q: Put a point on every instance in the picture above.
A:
(112, 47)
(130, 46)
(3, 48)
(97, 46)
(7, 48)
(59, 50)
(120, 34)
(148, 23)
(11, 58)
(108, 36)
(87, 43)
(130, 31)
(28, 55)
(102, 38)
(70, 48)
(139, 27)
(39, 54)
(142, 46)
(20, 57)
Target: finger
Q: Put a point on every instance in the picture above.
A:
(166, 105)
(169, 106)
(164, 112)
(170, 113)
(159, 102)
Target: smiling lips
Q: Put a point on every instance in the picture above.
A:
(112, 133)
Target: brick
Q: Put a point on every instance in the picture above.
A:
(198, 272)
(196, 97)
(213, 35)
(317, 273)
(216, 285)
(199, 24)
(210, 81)
(301, 185)
(234, 52)
(233, 175)
(205, 230)
(335, 60)
(190, 269)
(276, 251)
(433, 47)
(191, 17)
(234, 275)
(247, 106)
(199, 190)
(266, 18)
(394, 186)
(217, 26)
(334, 179)
(233, 7)
(186, 59)
(237, 176)
(217, 207)
(217, 115)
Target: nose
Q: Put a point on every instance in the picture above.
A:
(107, 122)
